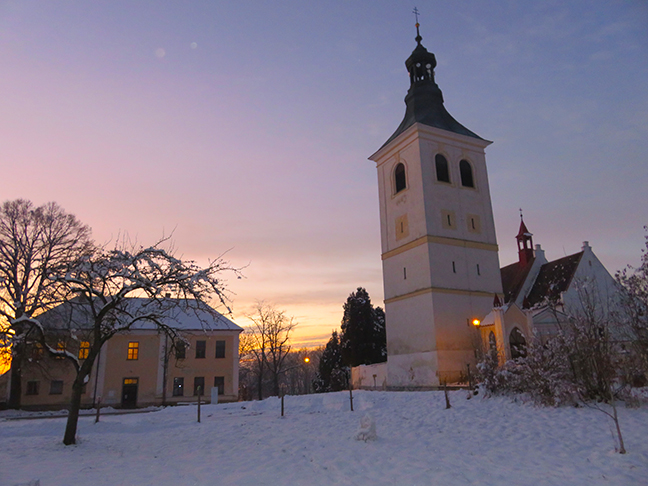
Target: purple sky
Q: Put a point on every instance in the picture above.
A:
(246, 126)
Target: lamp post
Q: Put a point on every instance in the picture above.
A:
(307, 373)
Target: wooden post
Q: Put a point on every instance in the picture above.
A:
(351, 397)
(199, 392)
(98, 408)
(445, 391)
(282, 405)
(469, 378)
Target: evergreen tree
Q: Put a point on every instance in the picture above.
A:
(332, 374)
(363, 339)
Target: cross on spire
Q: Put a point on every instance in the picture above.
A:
(418, 35)
(416, 13)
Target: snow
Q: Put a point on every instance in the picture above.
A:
(492, 441)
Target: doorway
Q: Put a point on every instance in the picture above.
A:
(129, 393)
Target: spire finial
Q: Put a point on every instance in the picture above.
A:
(418, 35)
(521, 214)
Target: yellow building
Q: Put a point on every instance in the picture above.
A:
(143, 366)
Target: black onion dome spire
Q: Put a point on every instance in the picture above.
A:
(424, 99)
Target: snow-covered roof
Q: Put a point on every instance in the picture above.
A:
(177, 313)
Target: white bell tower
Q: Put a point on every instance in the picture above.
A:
(439, 250)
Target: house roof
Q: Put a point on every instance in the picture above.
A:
(178, 313)
(553, 279)
(513, 278)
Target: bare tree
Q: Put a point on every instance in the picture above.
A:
(270, 343)
(634, 299)
(35, 243)
(104, 285)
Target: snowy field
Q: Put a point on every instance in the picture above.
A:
(476, 442)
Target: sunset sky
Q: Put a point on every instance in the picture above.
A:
(244, 127)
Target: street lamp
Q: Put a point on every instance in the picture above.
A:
(306, 361)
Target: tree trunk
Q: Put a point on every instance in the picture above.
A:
(260, 384)
(15, 391)
(275, 381)
(73, 418)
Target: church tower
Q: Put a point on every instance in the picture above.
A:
(439, 251)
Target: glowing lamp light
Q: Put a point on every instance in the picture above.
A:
(306, 359)
(476, 322)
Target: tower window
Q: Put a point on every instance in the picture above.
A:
(442, 172)
(404, 273)
(478, 271)
(454, 268)
(400, 182)
(465, 169)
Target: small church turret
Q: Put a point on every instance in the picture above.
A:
(525, 243)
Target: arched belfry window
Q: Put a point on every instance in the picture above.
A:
(465, 169)
(400, 181)
(442, 170)
(517, 342)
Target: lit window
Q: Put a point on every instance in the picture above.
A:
(442, 172)
(178, 387)
(56, 387)
(199, 385)
(84, 349)
(220, 349)
(37, 351)
(466, 172)
(133, 350)
(219, 381)
(201, 347)
(60, 347)
(399, 178)
(131, 381)
(32, 388)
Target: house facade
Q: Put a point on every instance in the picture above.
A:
(143, 366)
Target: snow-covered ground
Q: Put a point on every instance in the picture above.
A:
(478, 442)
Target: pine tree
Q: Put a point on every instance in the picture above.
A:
(363, 338)
(332, 374)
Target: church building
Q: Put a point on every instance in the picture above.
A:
(439, 251)
(445, 295)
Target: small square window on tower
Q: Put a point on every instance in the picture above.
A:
(474, 223)
(402, 227)
(448, 220)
